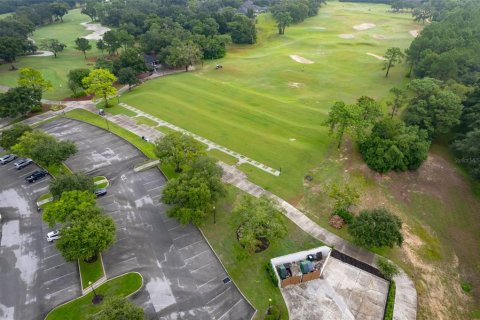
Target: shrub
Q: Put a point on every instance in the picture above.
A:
(387, 268)
(271, 273)
(273, 313)
(36, 109)
(390, 302)
(344, 214)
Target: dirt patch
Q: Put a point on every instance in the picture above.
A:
(414, 33)
(346, 36)
(376, 56)
(364, 26)
(300, 59)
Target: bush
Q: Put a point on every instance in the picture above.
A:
(273, 313)
(271, 273)
(390, 302)
(36, 109)
(387, 268)
(345, 215)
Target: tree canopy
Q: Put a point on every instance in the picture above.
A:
(393, 56)
(68, 207)
(69, 182)
(75, 78)
(19, 101)
(10, 136)
(376, 228)
(178, 149)
(194, 193)
(392, 145)
(43, 148)
(33, 79)
(100, 83)
(82, 44)
(117, 308)
(259, 219)
(53, 45)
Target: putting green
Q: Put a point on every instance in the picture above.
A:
(270, 107)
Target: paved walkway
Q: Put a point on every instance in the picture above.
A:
(406, 294)
(211, 145)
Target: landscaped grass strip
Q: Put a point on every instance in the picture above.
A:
(81, 308)
(90, 271)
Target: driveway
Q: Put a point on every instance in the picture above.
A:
(34, 277)
(183, 277)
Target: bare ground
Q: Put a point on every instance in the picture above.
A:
(441, 222)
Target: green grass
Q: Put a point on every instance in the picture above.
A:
(390, 302)
(165, 130)
(90, 271)
(55, 69)
(44, 196)
(103, 184)
(251, 105)
(248, 271)
(116, 109)
(56, 170)
(145, 120)
(82, 308)
(222, 156)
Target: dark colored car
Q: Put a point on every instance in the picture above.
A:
(36, 175)
(22, 163)
(8, 158)
(100, 192)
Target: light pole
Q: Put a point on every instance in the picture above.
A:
(96, 298)
(269, 305)
(214, 215)
(106, 120)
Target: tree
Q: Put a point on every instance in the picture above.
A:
(33, 79)
(341, 118)
(11, 47)
(19, 101)
(283, 20)
(387, 268)
(393, 56)
(75, 77)
(128, 76)
(432, 107)
(59, 9)
(52, 45)
(183, 55)
(101, 45)
(43, 148)
(394, 146)
(399, 98)
(90, 10)
(118, 308)
(112, 42)
(259, 220)
(242, 30)
(100, 83)
(83, 45)
(468, 148)
(70, 182)
(376, 228)
(422, 13)
(343, 196)
(68, 207)
(89, 234)
(194, 193)
(130, 58)
(178, 149)
(11, 135)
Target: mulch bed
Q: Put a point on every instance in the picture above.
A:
(336, 221)
(263, 240)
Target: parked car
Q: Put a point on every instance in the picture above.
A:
(8, 158)
(53, 235)
(100, 192)
(22, 163)
(36, 175)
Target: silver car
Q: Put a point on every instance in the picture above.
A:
(22, 163)
(8, 158)
(53, 235)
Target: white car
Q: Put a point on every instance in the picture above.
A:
(53, 235)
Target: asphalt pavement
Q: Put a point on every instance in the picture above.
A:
(183, 277)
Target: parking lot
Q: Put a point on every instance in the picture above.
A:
(183, 277)
(33, 275)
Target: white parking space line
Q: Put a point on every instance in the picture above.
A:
(196, 255)
(65, 275)
(183, 235)
(54, 255)
(57, 266)
(177, 226)
(204, 266)
(201, 240)
(226, 313)
(198, 287)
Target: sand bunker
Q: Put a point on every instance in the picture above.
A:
(292, 139)
(41, 54)
(364, 26)
(346, 36)
(319, 28)
(414, 33)
(300, 59)
(98, 30)
(295, 84)
(376, 56)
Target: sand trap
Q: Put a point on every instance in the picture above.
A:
(300, 59)
(292, 139)
(295, 84)
(346, 36)
(414, 33)
(364, 26)
(319, 28)
(97, 28)
(376, 56)
(41, 54)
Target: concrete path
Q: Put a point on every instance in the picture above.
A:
(406, 294)
(210, 144)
